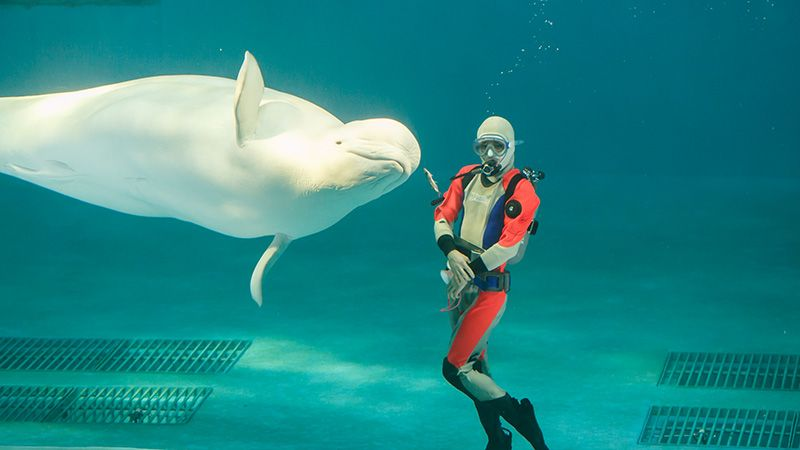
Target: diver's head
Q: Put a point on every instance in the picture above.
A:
(494, 144)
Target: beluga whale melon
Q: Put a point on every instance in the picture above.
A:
(229, 155)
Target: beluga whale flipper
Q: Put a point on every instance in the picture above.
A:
(228, 155)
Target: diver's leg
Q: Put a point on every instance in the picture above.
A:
(467, 301)
(468, 343)
(465, 366)
(499, 437)
(472, 333)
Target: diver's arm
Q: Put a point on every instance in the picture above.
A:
(447, 212)
(494, 257)
(514, 229)
(444, 217)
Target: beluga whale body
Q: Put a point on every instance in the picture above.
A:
(228, 155)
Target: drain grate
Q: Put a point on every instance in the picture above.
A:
(732, 371)
(721, 427)
(146, 405)
(121, 355)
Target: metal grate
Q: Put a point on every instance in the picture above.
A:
(146, 405)
(732, 371)
(121, 355)
(721, 427)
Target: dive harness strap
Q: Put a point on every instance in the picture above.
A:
(493, 281)
(466, 177)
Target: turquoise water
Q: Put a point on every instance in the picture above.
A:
(668, 218)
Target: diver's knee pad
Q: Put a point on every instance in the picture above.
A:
(450, 373)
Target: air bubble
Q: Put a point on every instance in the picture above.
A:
(537, 24)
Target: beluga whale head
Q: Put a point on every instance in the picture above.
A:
(316, 168)
(369, 157)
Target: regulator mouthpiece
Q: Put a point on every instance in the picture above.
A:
(490, 168)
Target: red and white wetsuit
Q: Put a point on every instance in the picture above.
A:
(497, 224)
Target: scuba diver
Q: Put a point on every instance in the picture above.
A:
(498, 203)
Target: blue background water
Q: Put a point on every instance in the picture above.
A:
(669, 134)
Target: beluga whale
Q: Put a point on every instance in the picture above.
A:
(228, 155)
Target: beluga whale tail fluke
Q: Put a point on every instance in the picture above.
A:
(232, 156)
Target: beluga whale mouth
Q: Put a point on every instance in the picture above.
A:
(388, 152)
(231, 156)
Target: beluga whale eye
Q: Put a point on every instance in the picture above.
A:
(338, 142)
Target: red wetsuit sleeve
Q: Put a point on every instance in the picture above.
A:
(514, 229)
(453, 199)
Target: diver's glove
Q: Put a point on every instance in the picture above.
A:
(459, 265)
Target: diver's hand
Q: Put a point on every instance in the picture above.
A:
(459, 264)
(454, 289)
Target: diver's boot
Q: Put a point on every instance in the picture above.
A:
(520, 415)
(499, 437)
(503, 444)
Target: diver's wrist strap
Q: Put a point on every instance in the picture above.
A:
(446, 243)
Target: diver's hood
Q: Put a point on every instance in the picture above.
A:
(498, 126)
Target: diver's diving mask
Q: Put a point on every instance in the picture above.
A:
(490, 145)
(495, 152)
